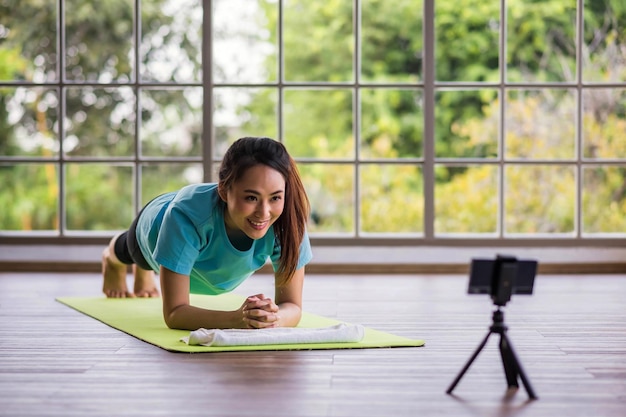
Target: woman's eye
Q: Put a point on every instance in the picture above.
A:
(250, 198)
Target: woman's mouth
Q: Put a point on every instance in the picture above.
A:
(258, 225)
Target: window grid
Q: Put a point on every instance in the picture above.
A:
(429, 85)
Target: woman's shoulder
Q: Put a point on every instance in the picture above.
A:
(197, 191)
(196, 195)
(198, 202)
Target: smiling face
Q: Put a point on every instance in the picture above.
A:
(255, 201)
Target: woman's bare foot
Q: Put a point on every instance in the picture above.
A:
(144, 283)
(114, 274)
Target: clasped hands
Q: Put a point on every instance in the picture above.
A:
(259, 312)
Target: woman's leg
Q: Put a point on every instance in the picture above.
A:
(124, 250)
(145, 285)
(144, 282)
(114, 273)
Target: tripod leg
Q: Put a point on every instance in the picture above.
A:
(468, 364)
(508, 361)
(515, 365)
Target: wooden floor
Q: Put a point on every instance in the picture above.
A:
(570, 337)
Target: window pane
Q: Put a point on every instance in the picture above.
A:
(29, 197)
(318, 40)
(171, 40)
(25, 53)
(392, 123)
(29, 122)
(467, 123)
(604, 123)
(604, 199)
(466, 199)
(541, 40)
(467, 37)
(98, 196)
(541, 124)
(604, 45)
(100, 122)
(99, 40)
(244, 41)
(318, 123)
(392, 198)
(157, 179)
(539, 199)
(391, 44)
(240, 112)
(330, 188)
(171, 122)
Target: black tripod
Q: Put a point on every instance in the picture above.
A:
(512, 366)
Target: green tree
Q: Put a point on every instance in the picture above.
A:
(99, 121)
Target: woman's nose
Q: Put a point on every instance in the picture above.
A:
(263, 209)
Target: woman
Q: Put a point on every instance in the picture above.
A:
(208, 238)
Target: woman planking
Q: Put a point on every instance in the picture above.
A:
(208, 238)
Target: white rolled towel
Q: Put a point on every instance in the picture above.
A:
(340, 333)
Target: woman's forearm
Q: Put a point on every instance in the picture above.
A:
(188, 317)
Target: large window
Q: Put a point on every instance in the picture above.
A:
(411, 120)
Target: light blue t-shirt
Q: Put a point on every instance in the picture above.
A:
(185, 232)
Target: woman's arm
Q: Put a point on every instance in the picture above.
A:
(289, 300)
(256, 312)
(179, 314)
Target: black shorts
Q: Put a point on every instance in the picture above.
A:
(127, 248)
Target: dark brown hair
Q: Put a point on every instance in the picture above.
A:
(289, 229)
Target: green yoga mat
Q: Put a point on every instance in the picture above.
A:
(143, 319)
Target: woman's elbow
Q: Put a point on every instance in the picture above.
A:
(172, 319)
(169, 321)
(293, 317)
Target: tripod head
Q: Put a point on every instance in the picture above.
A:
(502, 277)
